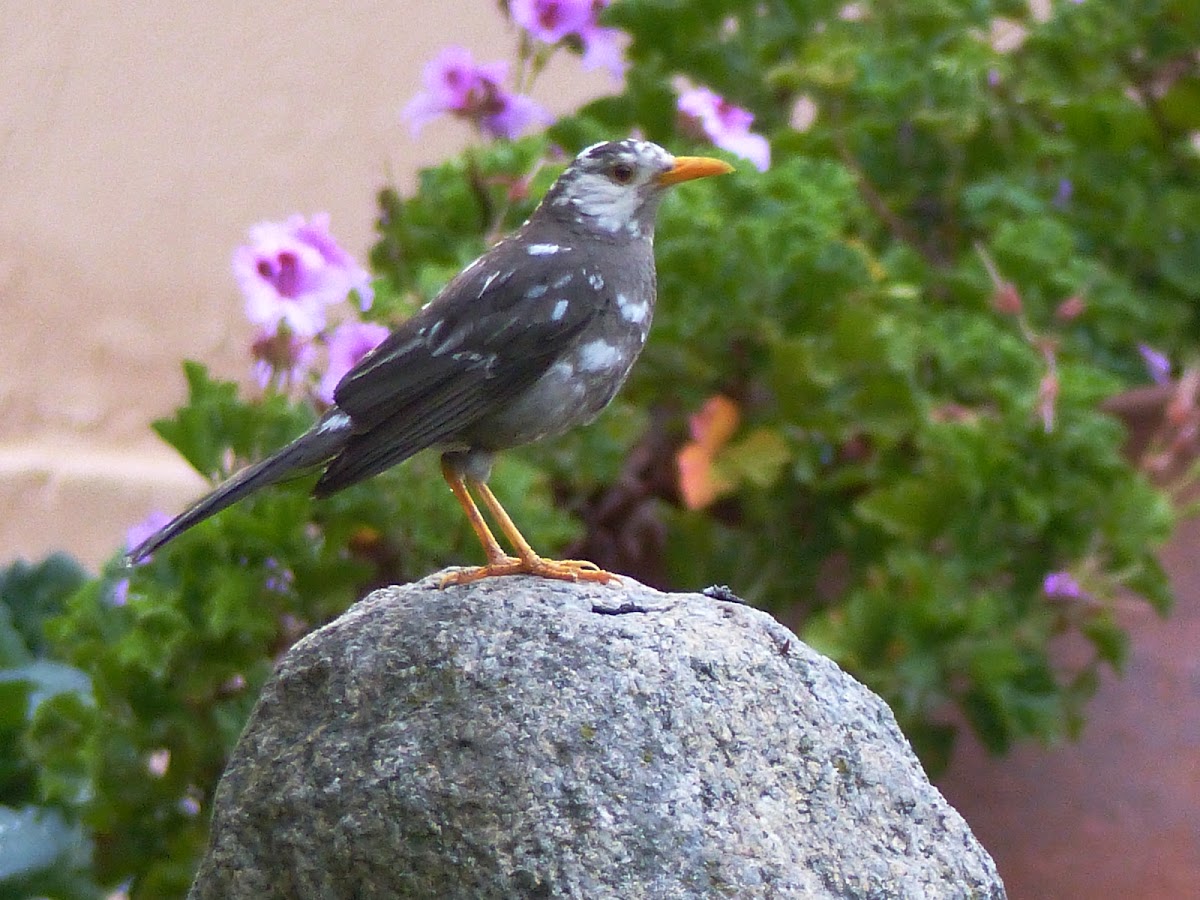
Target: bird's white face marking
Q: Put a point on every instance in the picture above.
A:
(611, 188)
(560, 310)
(544, 249)
(635, 313)
(598, 355)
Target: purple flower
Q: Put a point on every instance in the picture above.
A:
(143, 529)
(602, 50)
(349, 343)
(727, 126)
(282, 358)
(120, 593)
(1157, 364)
(456, 84)
(552, 21)
(133, 537)
(1062, 586)
(1063, 195)
(279, 578)
(290, 271)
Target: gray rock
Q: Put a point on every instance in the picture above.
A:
(528, 738)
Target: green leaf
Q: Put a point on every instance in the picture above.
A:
(13, 650)
(43, 678)
(912, 509)
(32, 594)
(1110, 640)
(757, 459)
(41, 854)
(215, 423)
(1180, 105)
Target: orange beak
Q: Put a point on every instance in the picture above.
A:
(688, 167)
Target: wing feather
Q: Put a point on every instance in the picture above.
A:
(490, 334)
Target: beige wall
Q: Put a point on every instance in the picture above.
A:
(138, 141)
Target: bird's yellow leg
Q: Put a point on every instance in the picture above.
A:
(491, 547)
(529, 561)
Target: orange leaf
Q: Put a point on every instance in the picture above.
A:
(711, 428)
(715, 423)
(695, 477)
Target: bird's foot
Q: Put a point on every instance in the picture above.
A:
(560, 569)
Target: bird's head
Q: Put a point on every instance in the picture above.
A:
(614, 188)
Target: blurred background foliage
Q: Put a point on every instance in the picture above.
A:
(871, 402)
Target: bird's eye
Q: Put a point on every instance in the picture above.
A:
(622, 173)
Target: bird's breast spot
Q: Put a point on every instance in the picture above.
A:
(560, 310)
(563, 280)
(633, 312)
(598, 355)
(596, 281)
(538, 290)
(562, 371)
(543, 249)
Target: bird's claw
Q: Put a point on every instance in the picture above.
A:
(560, 569)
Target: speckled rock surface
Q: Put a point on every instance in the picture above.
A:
(527, 738)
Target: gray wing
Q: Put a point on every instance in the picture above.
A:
(491, 333)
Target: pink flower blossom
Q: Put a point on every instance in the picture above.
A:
(291, 271)
(552, 21)
(705, 113)
(349, 343)
(1062, 586)
(602, 50)
(282, 358)
(456, 84)
(143, 529)
(133, 538)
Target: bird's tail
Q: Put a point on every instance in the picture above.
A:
(325, 440)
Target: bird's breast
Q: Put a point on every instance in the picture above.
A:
(582, 380)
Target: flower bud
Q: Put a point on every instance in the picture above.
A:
(1070, 309)
(1007, 300)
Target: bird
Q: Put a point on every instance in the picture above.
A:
(533, 338)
